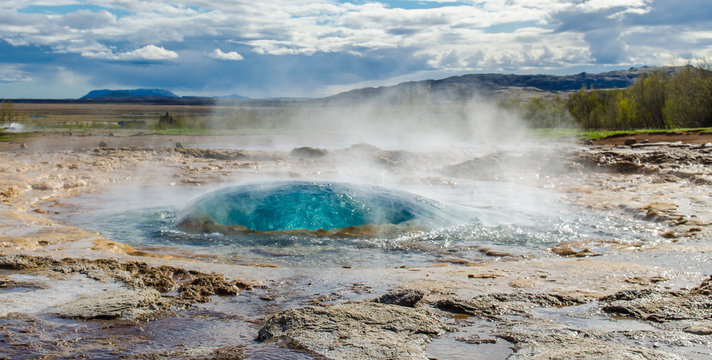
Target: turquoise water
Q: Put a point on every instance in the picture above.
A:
(310, 205)
(449, 222)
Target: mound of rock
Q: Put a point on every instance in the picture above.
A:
(661, 306)
(115, 304)
(307, 152)
(496, 304)
(367, 330)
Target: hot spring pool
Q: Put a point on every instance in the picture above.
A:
(296, 223)
(308, 205)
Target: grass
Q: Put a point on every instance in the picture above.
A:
(603, 134)
(10, 136)
(546, 133)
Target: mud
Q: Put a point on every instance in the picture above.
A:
(582, 299)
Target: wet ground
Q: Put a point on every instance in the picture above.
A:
(637, 288)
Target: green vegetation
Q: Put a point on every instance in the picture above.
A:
(542, 112)
(656, 100)
(8, 136)
(167, 120)
(8, 113)
(602, 134)
(228, 119)
(550, 133)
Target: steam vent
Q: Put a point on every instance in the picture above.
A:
(302, 205)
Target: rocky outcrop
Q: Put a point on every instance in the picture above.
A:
(567, 344)
(307, 152)
(401, 297)
(145, 283)
(661, 306)
(115, 304)
(223, 154)
(496, 304)
(365, 330)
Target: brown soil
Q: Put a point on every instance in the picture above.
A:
(687, 137)
(134, 138)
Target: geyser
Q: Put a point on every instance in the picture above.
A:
(297, 205)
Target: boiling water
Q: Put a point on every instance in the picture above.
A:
(449, 222)
(311, 205)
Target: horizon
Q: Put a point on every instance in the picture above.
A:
(318, 48)
(216, 96)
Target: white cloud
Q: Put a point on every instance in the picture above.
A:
(457, 36)
(220, 55)
(11, 73)
(148, 52)
(598, 5)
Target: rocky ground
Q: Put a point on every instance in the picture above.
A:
(68, 292)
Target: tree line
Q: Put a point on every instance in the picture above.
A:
(656, 100)
(7, 112)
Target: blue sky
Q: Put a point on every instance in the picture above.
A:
(301, 48)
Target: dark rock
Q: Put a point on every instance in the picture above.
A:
(213, 153)
(630, 141)
(363, 147)
(355, 330)
(495, 253)
(229, 353)
(574, 249)
(705, 287)
(23, 146)
(627, 295)
(476, 340)
(493, 305)
(102, 144)
(307, 152)
(401, 297)
(210, 284)
(179, 145)
(660, 306)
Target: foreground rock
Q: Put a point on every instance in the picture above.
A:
(115, 304)
(494, 305)
(139, 291)
(562, 343)
(366, 330)
(644, 323)
(662, 306)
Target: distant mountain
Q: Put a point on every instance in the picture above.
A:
(449, 90)
(464, 87)
(158, 96)
(127, 95)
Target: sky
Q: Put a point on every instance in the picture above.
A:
(312, 48)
